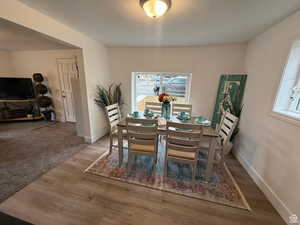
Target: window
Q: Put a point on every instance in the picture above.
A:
(146, 86)
(288, 97)
(295, 99)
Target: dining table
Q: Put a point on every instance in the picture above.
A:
(209, 133)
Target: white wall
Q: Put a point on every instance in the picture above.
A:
(205, 63)
(269, 147)
(94, 59)
(5, 64)
(25, 63)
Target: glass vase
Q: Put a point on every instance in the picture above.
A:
(166, 110)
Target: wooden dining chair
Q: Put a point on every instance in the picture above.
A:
(177, 108)
(154, 106)
(225, 130)
(183, 145)
(113, 116)
(142, 138)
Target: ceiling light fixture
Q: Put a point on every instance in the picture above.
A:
(155, 8)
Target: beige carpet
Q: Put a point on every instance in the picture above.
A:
(30, 149)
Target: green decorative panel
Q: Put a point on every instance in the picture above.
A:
(230, 95)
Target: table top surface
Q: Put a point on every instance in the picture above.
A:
(207, 130)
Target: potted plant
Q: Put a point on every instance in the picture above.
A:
(108, 96)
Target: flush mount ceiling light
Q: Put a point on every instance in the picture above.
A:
(155, 8)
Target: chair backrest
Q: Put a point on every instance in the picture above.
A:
(177, 108)
(226, 128)
(153, 106)
(113, 115)
(142, 131)
(184, 137)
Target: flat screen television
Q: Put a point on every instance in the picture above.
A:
(16, 88)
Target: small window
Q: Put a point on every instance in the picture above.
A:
(295, 99)
(148, 85)
(288, 96)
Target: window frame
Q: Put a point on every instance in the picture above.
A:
(294, 104)
(133, 84)
(283, 108)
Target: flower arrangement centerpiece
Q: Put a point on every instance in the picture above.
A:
(166, 106)
(165, 98)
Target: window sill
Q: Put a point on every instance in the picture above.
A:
(287, 116)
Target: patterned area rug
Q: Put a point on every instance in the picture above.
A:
(221, 189)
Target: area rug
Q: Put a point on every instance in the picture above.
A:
(221, 189)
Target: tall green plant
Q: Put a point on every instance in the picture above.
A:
(108, 96)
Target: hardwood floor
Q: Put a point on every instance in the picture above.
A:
(66, 195)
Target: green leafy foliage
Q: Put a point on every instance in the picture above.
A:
(108, 96)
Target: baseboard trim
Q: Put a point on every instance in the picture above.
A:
(277, 203)
(93, 139)
(88, 139)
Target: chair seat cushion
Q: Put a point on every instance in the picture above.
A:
(181, 154)
(142, 148)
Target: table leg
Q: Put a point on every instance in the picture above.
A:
(210, 160)
(120, 145)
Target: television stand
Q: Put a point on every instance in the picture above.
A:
(19, 110)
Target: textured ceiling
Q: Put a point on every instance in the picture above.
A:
(14, 37)
(189, 22)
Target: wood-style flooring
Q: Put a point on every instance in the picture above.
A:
(66, 195)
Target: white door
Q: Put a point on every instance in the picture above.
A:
(68, 70)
